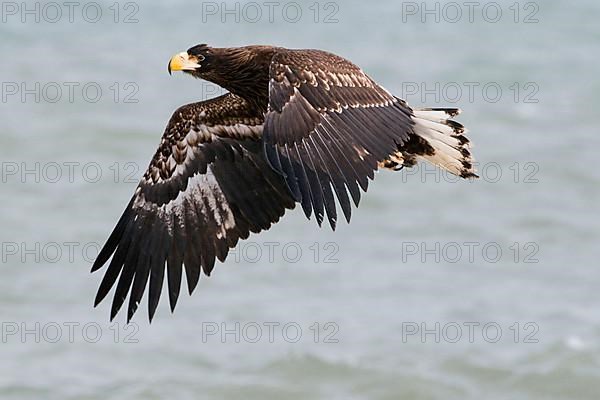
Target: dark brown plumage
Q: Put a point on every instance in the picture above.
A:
(297, 126)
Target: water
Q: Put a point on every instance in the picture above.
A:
(412, 300)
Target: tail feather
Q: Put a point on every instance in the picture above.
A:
(439, 140)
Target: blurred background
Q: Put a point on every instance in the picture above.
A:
(438, 288)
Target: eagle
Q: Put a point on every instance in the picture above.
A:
(295, 127)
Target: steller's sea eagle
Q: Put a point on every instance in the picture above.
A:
(296, 126)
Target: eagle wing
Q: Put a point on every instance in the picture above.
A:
(208, 186)
(328, 126)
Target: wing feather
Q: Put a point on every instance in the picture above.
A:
(208, 186)
(328, 127)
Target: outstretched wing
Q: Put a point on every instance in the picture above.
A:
(328, 127)
(207, 186)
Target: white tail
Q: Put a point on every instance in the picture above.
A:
(446, 146)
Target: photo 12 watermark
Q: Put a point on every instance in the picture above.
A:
(55, 172)
(470, 92)
(470, 332)
(270, 332)
(470, 252)
(288, 252)
(471, 12)
(49, 252)
(54, 12)
(516, 173)
(67, 332)
(69, 92)
(270, 12)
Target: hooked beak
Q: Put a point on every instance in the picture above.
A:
(183, 62)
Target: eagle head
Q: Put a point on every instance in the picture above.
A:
(194, 61)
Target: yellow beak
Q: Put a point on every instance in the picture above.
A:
(183, 62)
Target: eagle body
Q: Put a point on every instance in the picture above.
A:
(296, 127)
